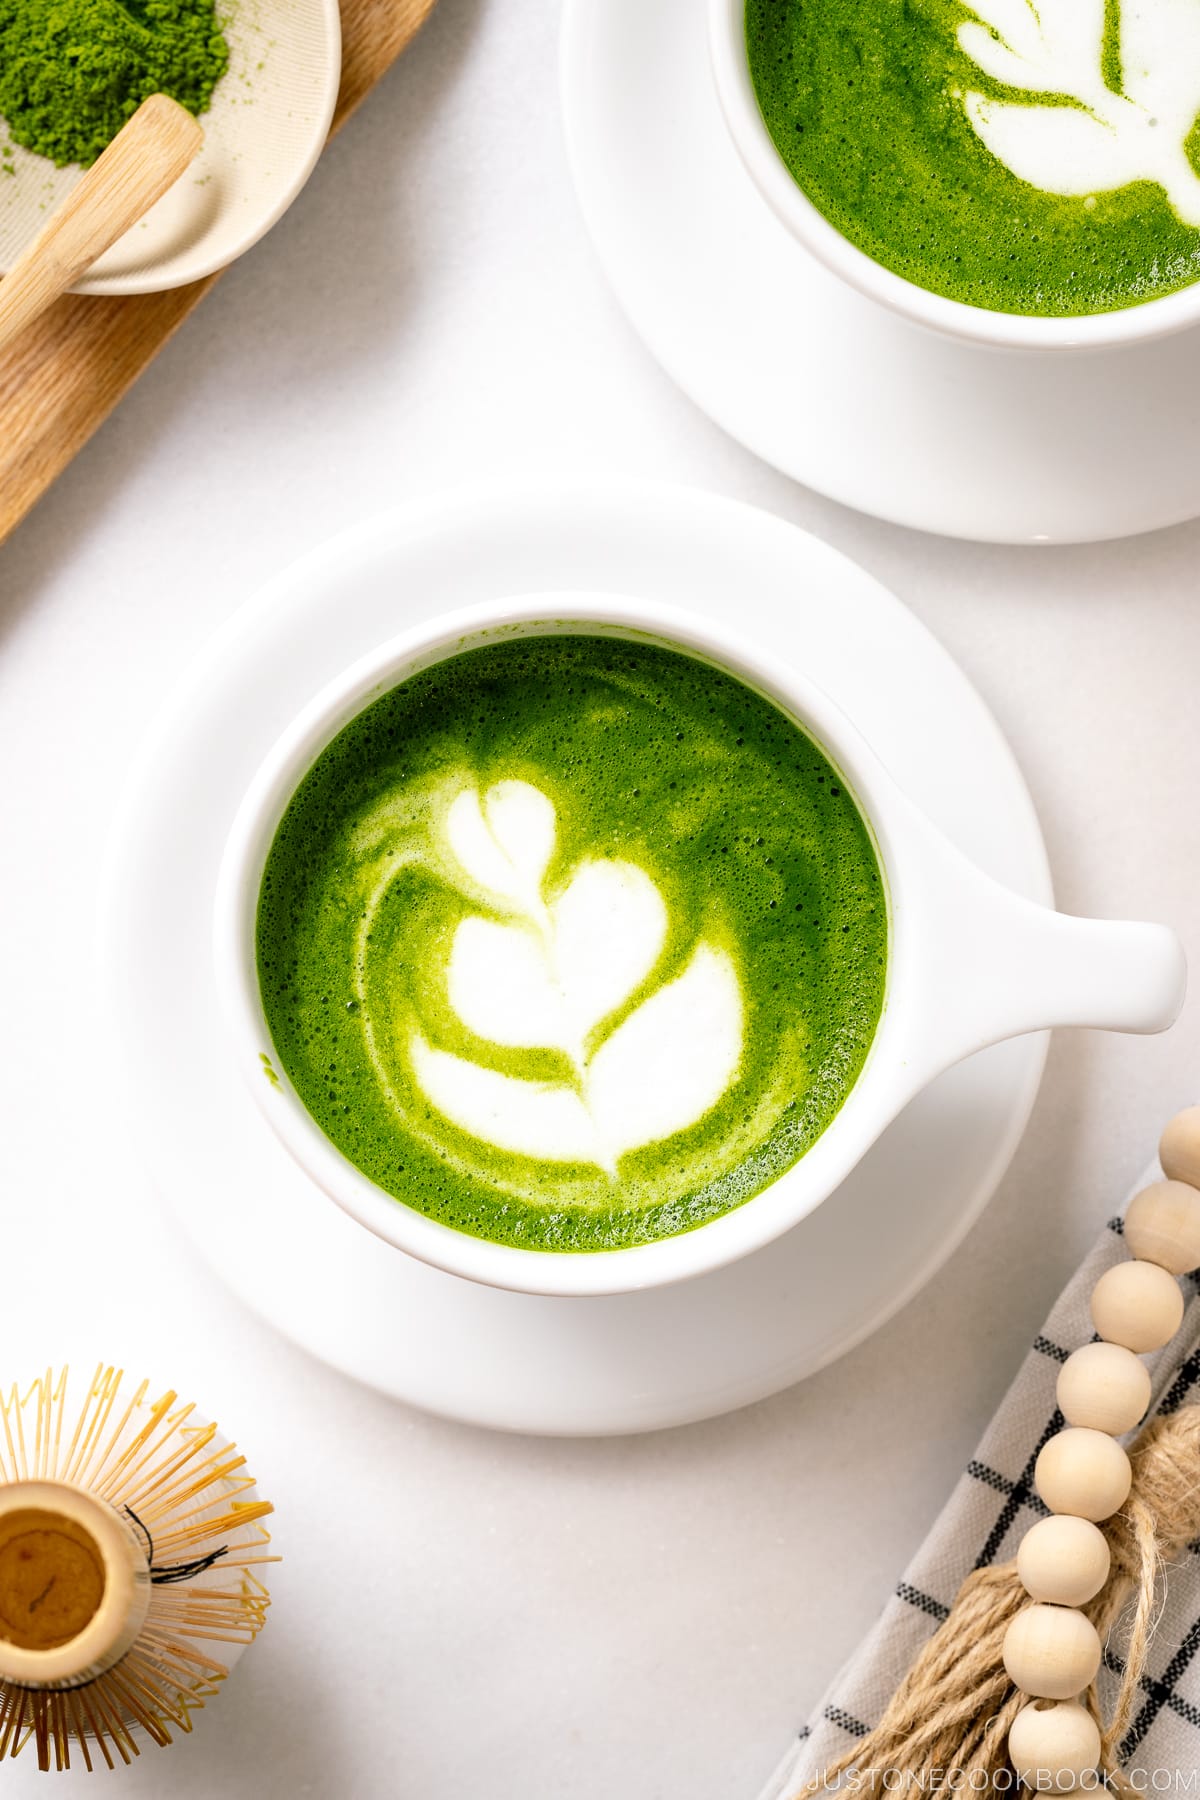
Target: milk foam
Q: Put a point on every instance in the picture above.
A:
(566, 965)
(1097, 140)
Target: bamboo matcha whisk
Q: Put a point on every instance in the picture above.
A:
(129, 1537)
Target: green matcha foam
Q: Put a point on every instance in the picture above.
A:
(1036, 160)
(572, 942)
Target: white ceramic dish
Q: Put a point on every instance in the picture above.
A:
(969, 962)
(975, 324)
(265, 129)
(827, 385)
(635, 1361)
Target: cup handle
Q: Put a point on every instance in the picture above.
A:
(983, 963)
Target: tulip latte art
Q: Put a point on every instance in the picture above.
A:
(546, 969)
(572, 942)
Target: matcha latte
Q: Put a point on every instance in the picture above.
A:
(572, 942)
(1038, 159)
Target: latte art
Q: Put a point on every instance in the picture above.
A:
(572, 942)
(1028, 156)
(1067, 128)
(558, 972)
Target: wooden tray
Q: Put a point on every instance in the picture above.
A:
(63, 377)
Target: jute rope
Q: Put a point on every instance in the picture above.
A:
(951, 1713)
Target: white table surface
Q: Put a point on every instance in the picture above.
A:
(462, 1614)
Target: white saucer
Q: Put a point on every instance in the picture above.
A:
(637, 1361)
(815, 378)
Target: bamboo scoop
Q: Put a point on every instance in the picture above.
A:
(147, 156)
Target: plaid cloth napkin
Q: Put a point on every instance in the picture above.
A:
(983, 1522)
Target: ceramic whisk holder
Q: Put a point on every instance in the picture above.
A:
(969, 963)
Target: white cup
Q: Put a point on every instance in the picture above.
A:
(977, 324)
(969, 962)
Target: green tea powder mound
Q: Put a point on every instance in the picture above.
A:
(73, 71)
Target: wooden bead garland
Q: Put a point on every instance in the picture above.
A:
(1051, 1650)
(1063, 1560)
(1084, 1473)
(1179, 1149)
(1053, 1748)
(1162, 1225)
(1104, 1386)
(1137, 1304)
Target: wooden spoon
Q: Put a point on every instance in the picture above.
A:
(147, 156)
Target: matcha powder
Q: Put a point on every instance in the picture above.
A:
(73, 71)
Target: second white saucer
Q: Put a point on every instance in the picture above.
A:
(826, 385)
(630, 1362)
